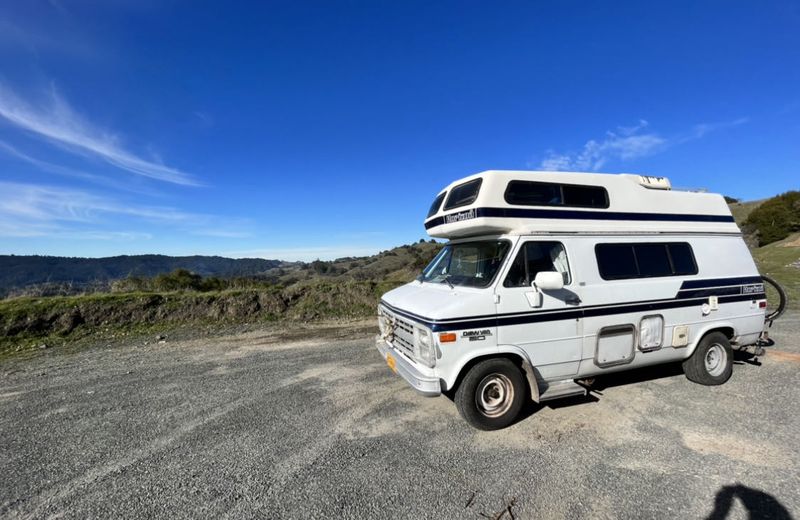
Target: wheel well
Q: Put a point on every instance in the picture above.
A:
(728, 331)
(514, 358)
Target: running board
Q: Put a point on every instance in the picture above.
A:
(559, 389)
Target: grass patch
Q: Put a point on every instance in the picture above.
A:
(776, 260)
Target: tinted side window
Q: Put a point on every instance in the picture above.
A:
(530, 193)
(585, 196)
(652, 259)
(682, 258)
(463, 194)
(616, 261)
(620, 261)
(533, 193)
(437, 202)
(535, 257)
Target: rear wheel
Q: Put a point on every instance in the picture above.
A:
(712, 361)
(491, 394)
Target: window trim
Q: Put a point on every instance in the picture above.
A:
(560, 185)
(639, 276)
(478, 180)
(523, 250)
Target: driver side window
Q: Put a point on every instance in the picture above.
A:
(535, 257)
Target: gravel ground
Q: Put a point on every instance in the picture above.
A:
(254, 425)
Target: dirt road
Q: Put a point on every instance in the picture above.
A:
(251, 425)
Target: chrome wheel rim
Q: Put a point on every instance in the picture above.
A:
(495, 395)
(716, 359)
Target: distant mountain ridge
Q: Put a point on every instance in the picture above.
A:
(17, 271)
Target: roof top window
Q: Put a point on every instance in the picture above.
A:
(463, 194)
(532, 193)
(437, 203)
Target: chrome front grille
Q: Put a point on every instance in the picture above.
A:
(402, 332)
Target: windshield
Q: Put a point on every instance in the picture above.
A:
(471, 264)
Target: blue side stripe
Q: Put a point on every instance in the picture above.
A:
(720, 282)
(682, 299)
(572, 214)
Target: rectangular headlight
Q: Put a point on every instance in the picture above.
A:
(426, 350)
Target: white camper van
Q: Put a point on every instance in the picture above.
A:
(549, 279)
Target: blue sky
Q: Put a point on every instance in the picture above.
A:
(316, 130)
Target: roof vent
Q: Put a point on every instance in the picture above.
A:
(653, 183)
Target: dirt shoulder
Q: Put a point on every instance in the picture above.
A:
(169, 333)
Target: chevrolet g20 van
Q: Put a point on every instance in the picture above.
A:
(548, 279)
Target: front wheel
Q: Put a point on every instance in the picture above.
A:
(712, 361)
(491, 394)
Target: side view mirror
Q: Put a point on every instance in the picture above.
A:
(548, 281)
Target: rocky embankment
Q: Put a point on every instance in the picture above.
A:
(33, 317)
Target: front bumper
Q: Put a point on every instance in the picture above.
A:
(424, 384)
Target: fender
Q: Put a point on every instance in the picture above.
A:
(462, 361)
(529, 371)
(704, 330)
(527, 367)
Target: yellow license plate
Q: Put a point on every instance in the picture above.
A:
(391, 362)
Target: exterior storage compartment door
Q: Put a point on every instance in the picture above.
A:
(615, 346)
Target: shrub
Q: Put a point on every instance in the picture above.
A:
(177, 280)
(776, 218)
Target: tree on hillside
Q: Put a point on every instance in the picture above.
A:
(776, 218)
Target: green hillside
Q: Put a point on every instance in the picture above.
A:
(346, 288)
(780, 259)
(742, 210)
(58, 275)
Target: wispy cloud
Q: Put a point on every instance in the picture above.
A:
(55, 121)
(66, 171)
(36, 210)
(625, 144)
(203, 119)
(47, 166)
(41, 37)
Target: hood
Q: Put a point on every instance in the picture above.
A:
(439, 302)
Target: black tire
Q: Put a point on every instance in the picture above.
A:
(711, 363)
(491, 394)
(774, 312)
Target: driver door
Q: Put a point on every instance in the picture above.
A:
(546, 324)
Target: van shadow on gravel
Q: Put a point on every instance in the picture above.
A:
(601, 383)
(629, 377)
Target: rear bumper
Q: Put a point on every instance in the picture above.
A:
(426, 385)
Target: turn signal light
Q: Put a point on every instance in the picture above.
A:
(762, 305)
(447, 338)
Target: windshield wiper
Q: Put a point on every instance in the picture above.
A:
(421, 278)
(446, 278)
